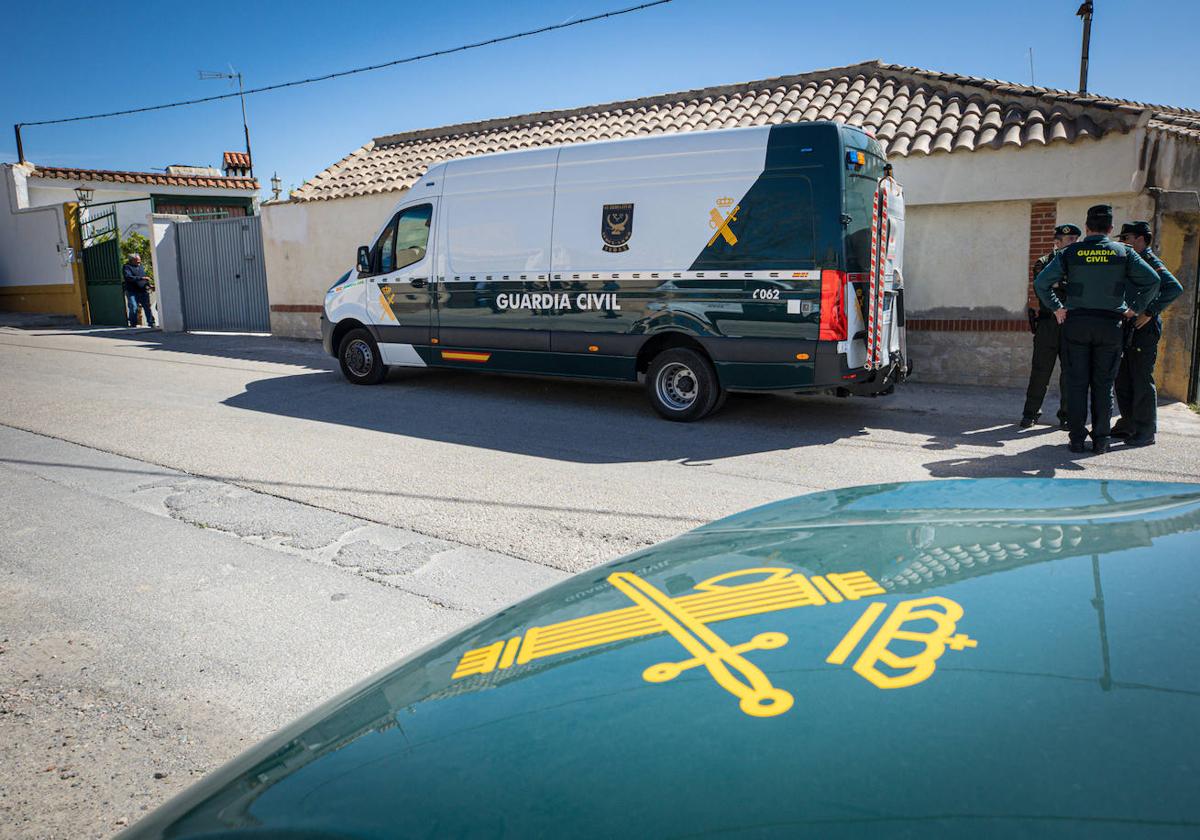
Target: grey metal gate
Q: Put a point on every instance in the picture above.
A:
(222, 283)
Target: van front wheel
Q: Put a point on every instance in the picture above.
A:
(682, 385)
(360, 359)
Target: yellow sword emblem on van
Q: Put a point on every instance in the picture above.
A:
(721, 223)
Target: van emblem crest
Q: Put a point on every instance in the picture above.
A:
(616, 227)
(719, 218)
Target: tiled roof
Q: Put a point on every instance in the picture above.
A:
(1185, 124)
(236, 160)
(148, 178)
(912, 111)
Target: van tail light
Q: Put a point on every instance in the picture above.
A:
(833, 306)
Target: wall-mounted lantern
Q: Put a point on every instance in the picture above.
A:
(84, 194)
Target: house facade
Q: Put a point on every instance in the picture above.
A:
(989, 168)
(44, 230)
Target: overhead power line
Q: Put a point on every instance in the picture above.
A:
(341, 73)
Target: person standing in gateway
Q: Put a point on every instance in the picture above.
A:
(1047, 343)
(1102, 279)
(137, 290)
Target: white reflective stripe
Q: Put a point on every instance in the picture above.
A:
(400, 354)
(661, 276)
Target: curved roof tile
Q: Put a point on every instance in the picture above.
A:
(916, 111)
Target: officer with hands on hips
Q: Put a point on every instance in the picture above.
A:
(1102, 279)
(1137, 397)
(1047, 343)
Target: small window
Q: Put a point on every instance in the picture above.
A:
(412, 234)
(383, 255)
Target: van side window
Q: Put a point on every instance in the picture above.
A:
(412, 234)
(383, 255)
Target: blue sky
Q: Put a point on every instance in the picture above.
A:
(140, 55)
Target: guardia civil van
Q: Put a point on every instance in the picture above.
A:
(751, 259)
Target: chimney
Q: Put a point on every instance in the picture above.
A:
(1085, 12)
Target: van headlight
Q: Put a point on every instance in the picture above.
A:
(338, 282)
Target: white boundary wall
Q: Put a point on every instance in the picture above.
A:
(33, 241)
(308, 245)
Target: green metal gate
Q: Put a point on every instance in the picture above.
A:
(102, 266)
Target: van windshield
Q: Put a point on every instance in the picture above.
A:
(861, 183)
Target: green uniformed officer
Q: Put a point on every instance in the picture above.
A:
(1137, 397)
(1047, 343)
(1103, 278)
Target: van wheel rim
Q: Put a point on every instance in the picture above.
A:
(677, 386)
(359, 358)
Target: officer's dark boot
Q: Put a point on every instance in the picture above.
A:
(1100, 445)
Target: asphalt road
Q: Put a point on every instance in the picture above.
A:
(565, 474)
(201, 537)
(154, 624)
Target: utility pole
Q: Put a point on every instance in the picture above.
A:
(1085, 12)
(234, 74)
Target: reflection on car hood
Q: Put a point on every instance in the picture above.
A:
(985, 657)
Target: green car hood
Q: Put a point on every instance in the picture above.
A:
(986, 658)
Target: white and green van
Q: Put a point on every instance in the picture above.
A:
(749, 259)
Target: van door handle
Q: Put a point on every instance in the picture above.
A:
(418, 282)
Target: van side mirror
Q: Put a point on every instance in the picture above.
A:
(364, 259)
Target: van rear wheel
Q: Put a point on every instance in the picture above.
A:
(359, 357)
(682, 385)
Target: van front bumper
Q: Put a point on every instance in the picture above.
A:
(327, 335)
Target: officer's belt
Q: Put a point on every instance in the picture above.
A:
(1095, 313)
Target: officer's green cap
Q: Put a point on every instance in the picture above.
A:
(1099, 216)
(1136, 229)
(1067, 230)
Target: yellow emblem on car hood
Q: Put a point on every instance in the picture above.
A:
(687, 619)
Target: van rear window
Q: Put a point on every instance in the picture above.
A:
(861, 184)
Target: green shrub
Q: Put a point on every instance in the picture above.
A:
(135, 243)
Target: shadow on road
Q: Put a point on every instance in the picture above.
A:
(599, 422)
(611, 422)
(245, 347)
(1047, 461)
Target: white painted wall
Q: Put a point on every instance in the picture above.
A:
(166, 269)
(1108, 166)
(33, 241)
(966, 256)
(307, 245)
(1126, 208)
(972, 259)
(131, 216)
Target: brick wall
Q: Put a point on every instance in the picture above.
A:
(1042, 221)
